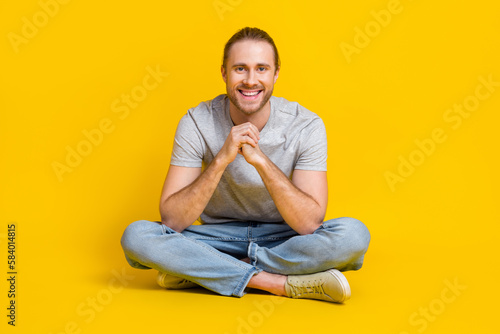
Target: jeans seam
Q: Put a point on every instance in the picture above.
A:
(220, 238)
(252, 253)
(270, 238)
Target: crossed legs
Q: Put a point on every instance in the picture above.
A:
(208, 255)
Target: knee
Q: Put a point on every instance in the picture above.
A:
(134, 234)
(359, 234)
(355, 234)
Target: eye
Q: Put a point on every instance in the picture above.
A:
(262, 69)
(240, 69)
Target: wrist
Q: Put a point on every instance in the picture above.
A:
(219, 163)
(261, 162)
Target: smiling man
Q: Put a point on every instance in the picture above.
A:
(252, 168)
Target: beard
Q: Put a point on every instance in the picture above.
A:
(248, 108)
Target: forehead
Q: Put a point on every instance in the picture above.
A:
(251, 52)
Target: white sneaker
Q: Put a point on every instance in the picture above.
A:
(330, 285)
(173, 282)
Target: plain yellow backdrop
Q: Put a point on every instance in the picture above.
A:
(91, 93)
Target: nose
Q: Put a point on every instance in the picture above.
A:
(250, 79)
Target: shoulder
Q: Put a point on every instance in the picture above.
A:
(208, 109)
(207, 120)
(203, 114)
(293, 113)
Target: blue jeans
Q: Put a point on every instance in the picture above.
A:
(209, 254)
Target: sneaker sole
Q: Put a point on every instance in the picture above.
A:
(160, 278)
(346, 289)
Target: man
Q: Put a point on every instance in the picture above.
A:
(252, 167)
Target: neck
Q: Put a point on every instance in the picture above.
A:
(258, 118)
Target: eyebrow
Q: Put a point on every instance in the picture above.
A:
(245, 65)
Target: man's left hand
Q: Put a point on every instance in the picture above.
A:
(253, 155)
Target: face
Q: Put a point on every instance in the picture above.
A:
(250, 75)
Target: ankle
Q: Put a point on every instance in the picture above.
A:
(273, 283)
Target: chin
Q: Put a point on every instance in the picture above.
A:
(252, 108)
(249, 112)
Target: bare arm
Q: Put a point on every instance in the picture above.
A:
(186, 190)
(181, 208)
(301, 202)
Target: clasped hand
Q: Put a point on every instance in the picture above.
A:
(243, 139)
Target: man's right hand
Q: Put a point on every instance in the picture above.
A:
(245, 133)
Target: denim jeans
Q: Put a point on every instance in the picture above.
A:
(209, 254)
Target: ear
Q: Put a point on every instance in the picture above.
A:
(276, 74)
(223, 72)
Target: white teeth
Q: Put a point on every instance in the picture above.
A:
(249, 93)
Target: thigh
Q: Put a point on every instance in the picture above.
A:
(270, 235)
(230, 238)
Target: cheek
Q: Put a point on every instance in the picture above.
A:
(233, 80)
(269, 81)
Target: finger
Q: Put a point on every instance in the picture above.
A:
(248, 127)
(246, 148)
(246, 130)
(252, 131)
(248, 140)
(240, 135)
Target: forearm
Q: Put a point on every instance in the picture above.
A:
(299, 210)
(183, 208)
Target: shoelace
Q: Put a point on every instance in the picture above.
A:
(307, 288)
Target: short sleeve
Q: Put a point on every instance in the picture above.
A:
(313, 147)
(189, 146)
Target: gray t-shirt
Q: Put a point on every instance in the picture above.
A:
(293, 138)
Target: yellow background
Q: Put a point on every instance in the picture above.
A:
(438, 227)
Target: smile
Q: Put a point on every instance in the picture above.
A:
(250, 94)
